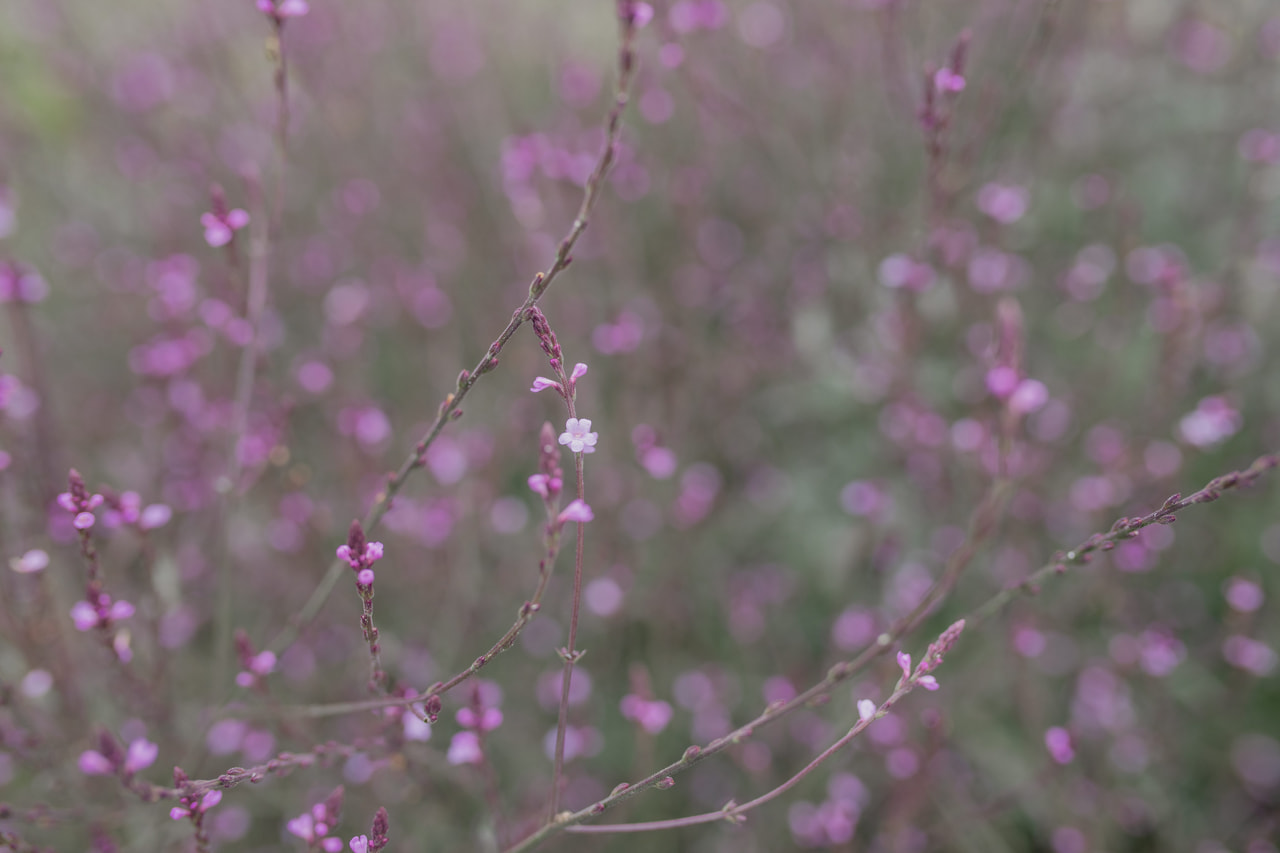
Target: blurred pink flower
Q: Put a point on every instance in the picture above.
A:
(220, 229)
(578, 511)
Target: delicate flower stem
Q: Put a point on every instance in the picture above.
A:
(844, 670)
(452, 401)
(570, 654)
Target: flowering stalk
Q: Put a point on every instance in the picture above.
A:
(361, 556)
(663, 778)
(868, 713)
(450, 407)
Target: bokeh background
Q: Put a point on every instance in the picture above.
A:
(827, 297)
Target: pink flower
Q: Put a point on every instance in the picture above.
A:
(208, 801)
(84, 615)
(220, 229)
(650, 715)
(485, 720)
(579, 371)
(94, 763)
(142, 754)
(155, 515)
(947, 80)
(1058, 741)
(83, 521)
(359, 844)
(577, 511)
(904, 662)
(285, 9)
(364, 577)
(541, 383)
(465, 749)
(34, 560)
(546, 485)
(578, 436)
(928, 682)
(866, 709)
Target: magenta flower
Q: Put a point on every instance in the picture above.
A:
(372, 553)
(208, 801)
(481, 720)
(1058, 741)
(364, 577)
(359, 844)
(546, 485)
(650, 715)
(263, 663)
(904, 662)
(141, 755)
(578, 435)
(947, 80)
(577, 511)
(219, 229)
(84, 615)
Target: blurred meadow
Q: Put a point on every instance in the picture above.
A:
(873, 288)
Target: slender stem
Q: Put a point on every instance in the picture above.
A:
(450, 406)
(570, 654)
(1124, 528)
(256, 300)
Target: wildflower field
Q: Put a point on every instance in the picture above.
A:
(724, 426)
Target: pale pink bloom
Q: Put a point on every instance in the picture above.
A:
(947, 80)
(577, 511)
(34, 560)
(866, 709)
(465, 749)
(94, 763)
(142, 754)
(904, 661)
(928, 682)
(1058, 741)
(364, 577)
(541, 383)
(83, 521)
(359, 844)
(155, 515)
(545, 485)
(578, 435)
(579, 371)
(84, 615)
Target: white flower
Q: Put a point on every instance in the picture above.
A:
(578, 436)
(866, 709)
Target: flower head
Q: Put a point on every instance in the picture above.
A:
(578, 511)
(578, 436)
(866, 709)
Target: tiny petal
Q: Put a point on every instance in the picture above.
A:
(641, 14)
(904, 661)
(928, 682)
(120, 610)
(465, 749)
(578, 511)
(364, 577)
(866, 709)
(237, 219)
(94, 763)
(263, 663)
(83, 521)
(579, 371)
(302, 826)
(332, 844)
(155, 515)
(359, 844)
(542, 383)
(344, 553)
(210, 800)
(34, 560)
(372, 552)
(142, 754)
(217, 235)
(179, 813)
(538, 482)
(292, 8)
(67, 502)
(84, 615)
